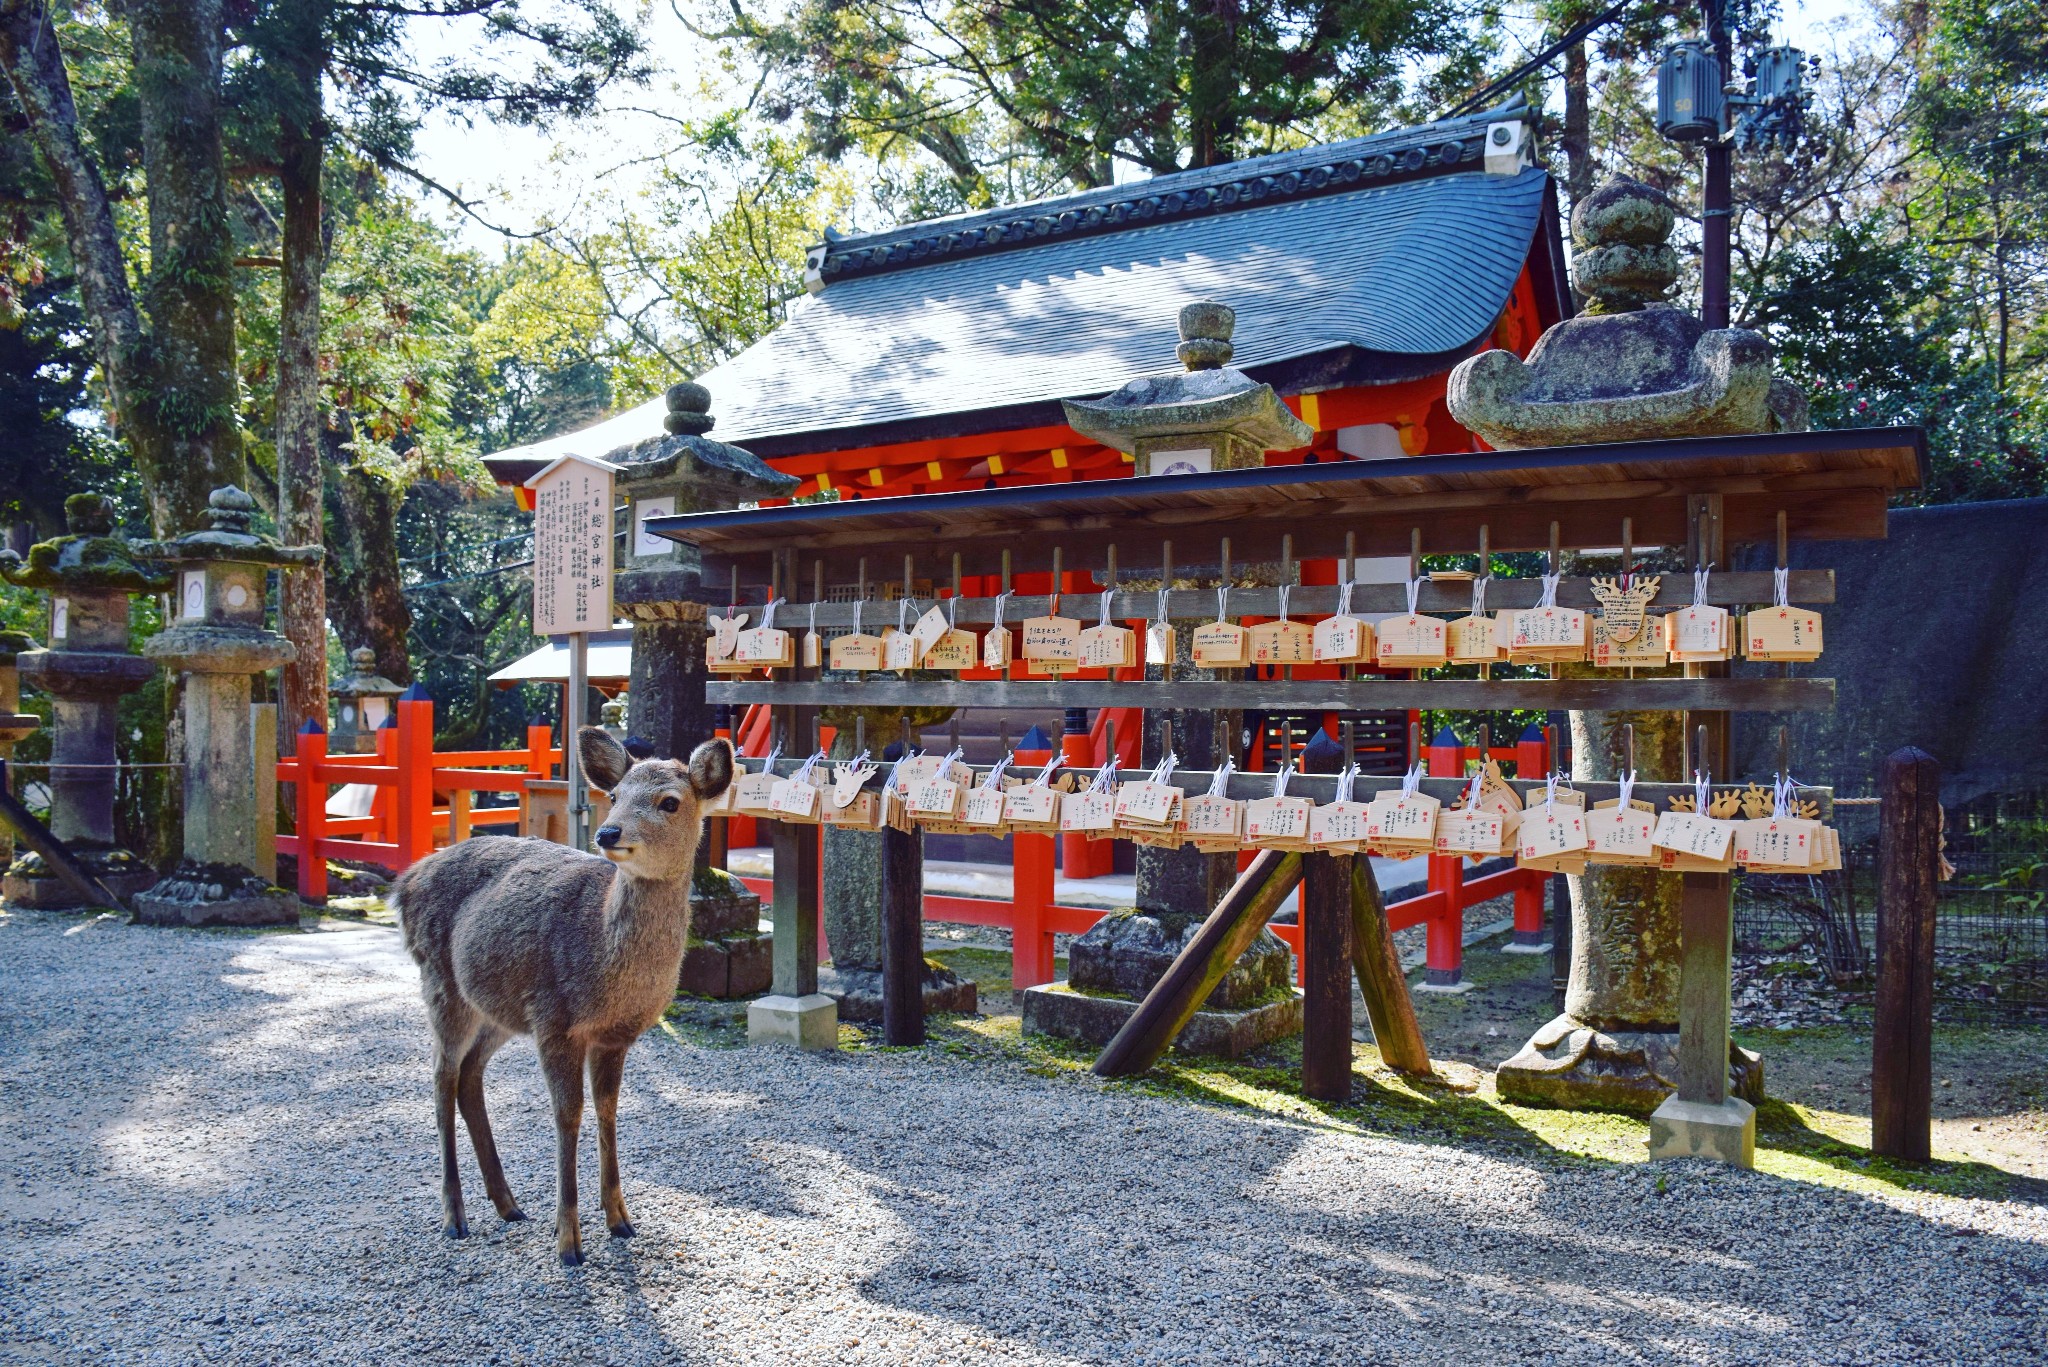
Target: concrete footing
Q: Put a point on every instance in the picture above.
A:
(1694, 1129)
(809, 1022)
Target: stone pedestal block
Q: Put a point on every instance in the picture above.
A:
(810, 1022)
(1056, 1009)
(728, 967)
(31, 883)
(1570, 1064)
(1113, 966)
(1725, 1133)
(198, 894)
(859, 991)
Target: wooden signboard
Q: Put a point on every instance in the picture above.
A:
(572, 546)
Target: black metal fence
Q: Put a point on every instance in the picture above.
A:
(1991, 926)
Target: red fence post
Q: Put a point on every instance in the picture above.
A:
(1031, 858)
(413, 811)
(1444, 932)
(311, 796)
(1532, 761)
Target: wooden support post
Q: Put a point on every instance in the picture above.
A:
(1195, 971)
(460, 802)
(902, 937)
(1380, 979)
(1444, 932)
(311, 792)
(263, 750)
(1326, 965)
(1908, 863)
(795, 910)
(413, 811)
(1706, 915)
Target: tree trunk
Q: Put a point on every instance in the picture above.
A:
(172, 384)
(365, 596)
(184, 433)
(1578, 125)
(1625, 921)
(302, 595)
(1212, 83)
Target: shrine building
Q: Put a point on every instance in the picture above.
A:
(934, 356)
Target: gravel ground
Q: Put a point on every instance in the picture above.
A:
(219, 1148)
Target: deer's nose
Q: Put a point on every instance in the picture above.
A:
(607, 836)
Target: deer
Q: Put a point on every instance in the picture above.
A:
(516, 936)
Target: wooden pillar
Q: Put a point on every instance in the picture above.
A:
(1326, 967)
(902, 937)
(263, 749)
(414, 808)
(311, 792)
(1706, 913)
(1380, 979)
(1444, 931)
(1908, 863)
(795, 910)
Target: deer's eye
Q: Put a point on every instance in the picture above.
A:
(671, 804)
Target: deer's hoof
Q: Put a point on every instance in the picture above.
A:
(514, 1216)
(457, 1228)
(572, 1257)
(624, 1230)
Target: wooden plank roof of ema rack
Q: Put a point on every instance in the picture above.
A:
(1831, 485)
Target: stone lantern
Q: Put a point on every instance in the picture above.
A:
(362, 703)
(15, 724)
(662, 593)
(88, 575)
(1211, 418)
(217, 641)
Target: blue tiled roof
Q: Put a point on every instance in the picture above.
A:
(1411, 270)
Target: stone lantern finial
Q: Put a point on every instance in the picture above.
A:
(1210, 418)
(1205, 330)
(1631, 367)
(689, 410)
(229, 509)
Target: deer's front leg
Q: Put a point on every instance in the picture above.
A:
(607, 1065)
(562, 1062)
(447, 1073)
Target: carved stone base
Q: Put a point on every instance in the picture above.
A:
(859, 991)
(215, 895)
(1573, 1065)
(1057, 1009)
(809, 1022)
(32, 883)
(1690, 1129)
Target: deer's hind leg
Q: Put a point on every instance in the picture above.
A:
(607, 1065)
(469, 1095)
(561, 1061)
(455, 1027)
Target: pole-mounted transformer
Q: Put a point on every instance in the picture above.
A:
(1689, 93)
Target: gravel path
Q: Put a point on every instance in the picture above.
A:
(219, 1148)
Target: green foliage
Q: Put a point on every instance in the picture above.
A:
(1006, 102)
(54, 443)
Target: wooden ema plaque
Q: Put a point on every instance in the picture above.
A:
(1342, 641)
(1055, 639)
(1282, 643)
(1221, 645)
(1412, 641)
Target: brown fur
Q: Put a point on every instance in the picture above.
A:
(523, 937)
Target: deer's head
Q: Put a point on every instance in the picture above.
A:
(657, 804)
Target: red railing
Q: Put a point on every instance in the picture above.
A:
(404, 824)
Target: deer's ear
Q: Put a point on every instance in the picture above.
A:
(605, 761)
(710, 769)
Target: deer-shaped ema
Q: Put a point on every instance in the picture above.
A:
(524, 937)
